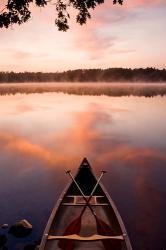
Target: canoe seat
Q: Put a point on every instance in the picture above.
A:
(72, 196)
(76, 237)
(79, 200)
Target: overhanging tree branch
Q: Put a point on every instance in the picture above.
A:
(18, 11)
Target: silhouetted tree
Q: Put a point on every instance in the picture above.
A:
(88, 75)
(18, 11)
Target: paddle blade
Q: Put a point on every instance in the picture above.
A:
(106, 230)
(73, 228)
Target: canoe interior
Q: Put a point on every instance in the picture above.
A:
(70, 207)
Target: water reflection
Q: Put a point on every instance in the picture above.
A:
(87, 88)
(43, 135)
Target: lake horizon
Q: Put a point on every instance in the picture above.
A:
(82, 79)
(87, 88)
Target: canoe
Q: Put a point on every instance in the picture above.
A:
(69, 207)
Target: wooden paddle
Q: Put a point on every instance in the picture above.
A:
(102, 227)
(94, 189)
(75, 226)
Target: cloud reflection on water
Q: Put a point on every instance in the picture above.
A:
(96, 128)
(84, 138)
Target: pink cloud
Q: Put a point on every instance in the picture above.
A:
(91, 40)
(131, 4)
(20, 55)
(138, 3)
(122, 51)
(92, 44)
(96, 43)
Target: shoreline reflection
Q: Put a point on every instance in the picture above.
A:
(43, 135)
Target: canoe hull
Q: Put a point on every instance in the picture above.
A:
(69, 207)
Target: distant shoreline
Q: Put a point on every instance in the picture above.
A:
(111, 75)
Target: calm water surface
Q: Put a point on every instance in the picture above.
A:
(42, 135)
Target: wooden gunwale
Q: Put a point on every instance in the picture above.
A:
(119, 218)
(52, 216)
(59, 202)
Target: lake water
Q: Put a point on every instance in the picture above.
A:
(43, 135)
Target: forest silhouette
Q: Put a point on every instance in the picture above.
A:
(88, 75)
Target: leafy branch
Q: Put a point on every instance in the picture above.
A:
(18, 11)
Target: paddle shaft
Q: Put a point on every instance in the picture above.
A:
(102, 227)
(75, 226)
(87, 200)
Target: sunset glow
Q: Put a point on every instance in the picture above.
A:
(131, 35)
(91, 98)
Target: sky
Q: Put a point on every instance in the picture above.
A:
(128, 36)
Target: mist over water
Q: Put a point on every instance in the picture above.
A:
(41, 136)
(87, 88)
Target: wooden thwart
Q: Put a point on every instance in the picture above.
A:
(72, 204)
(78, 200)
(110, 232)
(77, 237)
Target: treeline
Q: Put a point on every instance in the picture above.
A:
(88, 75)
